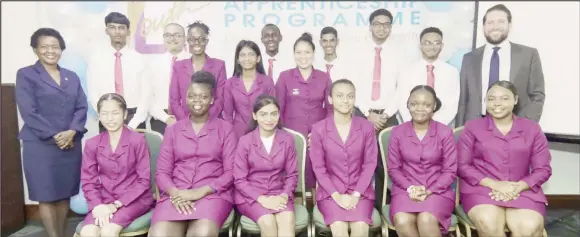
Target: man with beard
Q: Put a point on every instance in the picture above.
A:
(274, 60)
(174, 41)
(500, 60)
(119, 69)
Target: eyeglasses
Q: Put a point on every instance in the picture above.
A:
(175, 36)
(429, 43)
(381, 25)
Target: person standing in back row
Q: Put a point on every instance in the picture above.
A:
(329, 61)
(174, 41)
(500, 60)
(303, 95)
(197, 38)
(274, 60)
(120, 69)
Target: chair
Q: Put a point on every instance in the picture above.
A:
(247, 225)
(140, 226)
(384, 144)
(319, 225)
(459, 211)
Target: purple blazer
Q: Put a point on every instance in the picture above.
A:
(181, 79)
(47, 108)
(341, 167)
(303, 102)
(430, 162)
(522, 155)
(238, 102)
(258, 173)
(123, 174)
(188, 160)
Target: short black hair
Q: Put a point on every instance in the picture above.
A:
(46, 32)
(341, 81)
(199, 24)
(507, 85)
(329, 30)
(430, 30)
(271, 25)
(204, 77)
(118, 18)
(305, 37)
(499, 7)
(380, 12)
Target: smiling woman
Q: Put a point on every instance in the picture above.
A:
(53, 106)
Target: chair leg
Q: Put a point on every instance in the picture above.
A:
(458, 232)
(309, 230)
(384, 227)
(238, 230)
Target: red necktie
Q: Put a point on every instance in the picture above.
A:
(118, 74)
(170, 77)
(271, 67)
(376, 92)
(328, 67)
(430, 76)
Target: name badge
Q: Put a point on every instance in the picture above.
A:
(295, 91)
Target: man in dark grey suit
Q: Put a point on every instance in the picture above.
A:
(500, 60)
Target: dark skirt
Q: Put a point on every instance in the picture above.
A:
(51, 174)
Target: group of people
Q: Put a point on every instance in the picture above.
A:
(224, 147)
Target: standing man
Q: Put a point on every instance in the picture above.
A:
(275, 61)
(329, 62)
(119, 69)
(174, 41)
(434, 72)
(500, 60)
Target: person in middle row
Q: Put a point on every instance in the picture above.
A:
(197, 38)
(195, 169)
(266, 172)
(247, 83)
(303, 95)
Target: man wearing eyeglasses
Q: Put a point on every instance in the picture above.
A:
(431, 71)
(174, 41)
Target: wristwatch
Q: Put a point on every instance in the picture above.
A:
(356, 194)
(117, 204)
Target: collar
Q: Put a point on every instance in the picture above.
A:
(516, 126)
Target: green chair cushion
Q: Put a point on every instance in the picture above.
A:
(386, 209)
(460, 212)
(228, 221)
(138, 224)
(319, 219)
(302, 219)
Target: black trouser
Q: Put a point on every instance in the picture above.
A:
(158, 125)
(130, 114)
(379, 171)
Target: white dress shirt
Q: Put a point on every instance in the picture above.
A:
(362, 71)
(160, 80)
(339, 68)
(446, 87)
(136, 82)
(284, 60)
(505, 60)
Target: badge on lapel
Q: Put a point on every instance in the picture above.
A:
(295, 91)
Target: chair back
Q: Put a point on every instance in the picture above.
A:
(154, 140)
(455, 186)
(384, 136)
(300, 144)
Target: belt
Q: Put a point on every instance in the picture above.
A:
(376, 111)
(131, 110)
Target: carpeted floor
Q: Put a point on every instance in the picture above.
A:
(559, 223)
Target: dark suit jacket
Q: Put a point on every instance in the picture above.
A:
(525, 73)
(48, 108)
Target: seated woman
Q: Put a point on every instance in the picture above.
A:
(194, 168)
(343, 152)
(422, 164)
(265, 171)
(503, 162)
(115, 172)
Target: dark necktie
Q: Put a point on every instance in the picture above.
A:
(494, 67)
